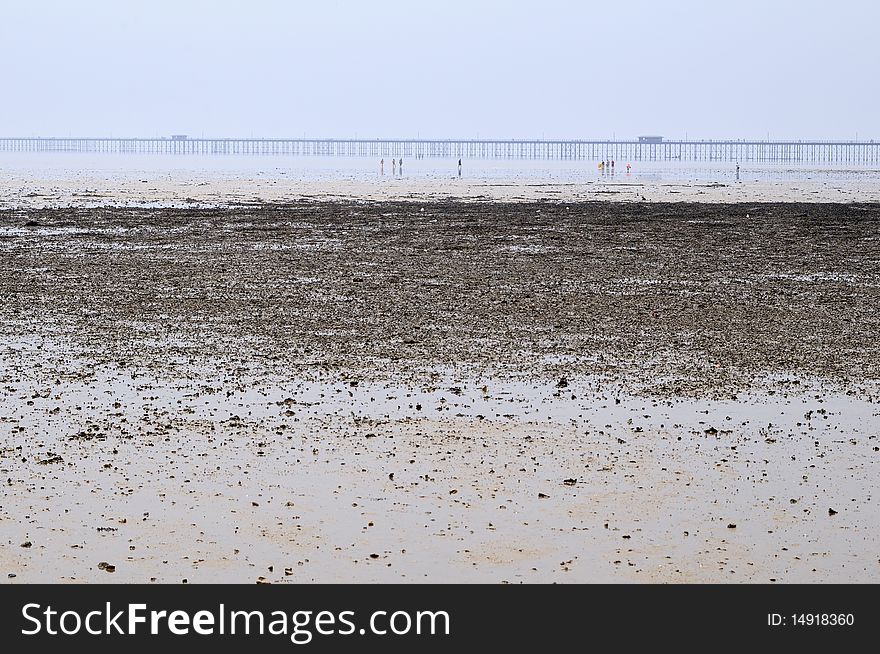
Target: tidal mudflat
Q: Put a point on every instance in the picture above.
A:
(441, 391)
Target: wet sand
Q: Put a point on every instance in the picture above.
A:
(193, 188)
(441, 391)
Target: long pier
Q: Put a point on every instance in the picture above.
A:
(865, 153)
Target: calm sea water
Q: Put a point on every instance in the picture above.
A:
(68, 166)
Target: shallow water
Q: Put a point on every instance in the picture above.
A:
(38, 180)
(70, 166)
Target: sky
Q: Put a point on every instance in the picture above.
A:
(443, 69)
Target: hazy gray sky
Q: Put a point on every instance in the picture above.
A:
(457, 68)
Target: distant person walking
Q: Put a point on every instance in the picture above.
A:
(737, 172)
(612, 165)
(382, 166)
(393, 166)
(459, 167)
(628, 168)
(400, 166)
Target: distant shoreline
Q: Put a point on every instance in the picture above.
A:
(205, 192)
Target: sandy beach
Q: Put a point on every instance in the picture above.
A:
(441, 391)
(64, 180)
